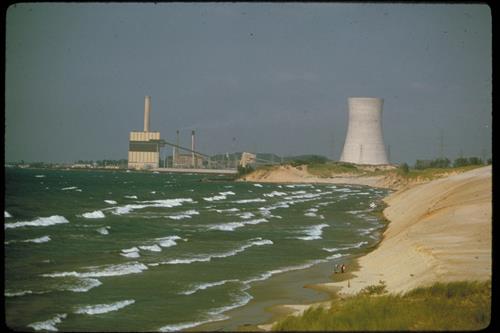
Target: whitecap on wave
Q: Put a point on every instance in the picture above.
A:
(103, 308)
(208, 257)
(314, 232)
(274, 194)
(202, 286)
(234, 225)
(48, 325)
(103, 271)
(111, 202)
(168, 241)
(183, 215)
(39, 222)
(104, 230)
(94, 215)
(250, 200)
(69, 188)
(83, 285)
(166, 203)
(6, 214)
(215, 198)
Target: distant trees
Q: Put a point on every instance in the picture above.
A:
(404, 168)
(437, 163)
(446, 163)
(464, 161)
(308, 159)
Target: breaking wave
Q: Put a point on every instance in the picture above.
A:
(215, 198)
(203, 286)
(104, 271)
(104, 230)
(167, 203)
(234, 225)
(94, 215)
(183, 215)
(250, 200)
(314, 232)
(103, 308)
(39, 222)
(48, 325)
(208, 257)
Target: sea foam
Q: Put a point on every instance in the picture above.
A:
(215, 198)
(83, 285)
(167, 203)
(103, 308)
(203, 286)
(183, 215)
(274, 194)
(39, 222)
(314, 232)
(227, 193)
(250, 200)
(152, 248)
(111, 202)
(103, 230)
(94, 215)
(234, 225)
(6, 214)
(48, 325)
(208, 257)
(168, 241)
(103, 271)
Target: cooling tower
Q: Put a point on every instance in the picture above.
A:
(147, 110)
(364, 143)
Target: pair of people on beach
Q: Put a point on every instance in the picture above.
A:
(341, 267)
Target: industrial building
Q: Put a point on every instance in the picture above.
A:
(364, 142)
(144, 147)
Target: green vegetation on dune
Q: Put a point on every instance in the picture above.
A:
(442, 306)
(328, 169)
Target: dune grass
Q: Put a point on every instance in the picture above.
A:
(442, 306)
(332, 168)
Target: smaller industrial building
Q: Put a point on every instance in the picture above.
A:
(144, 147)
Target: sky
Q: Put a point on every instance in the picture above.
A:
(257, 77)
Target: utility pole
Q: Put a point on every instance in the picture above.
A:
(333, 147)
(441, 144)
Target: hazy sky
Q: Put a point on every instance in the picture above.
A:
(275, 76)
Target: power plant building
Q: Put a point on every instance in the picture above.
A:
(364, 142)
(144, 149)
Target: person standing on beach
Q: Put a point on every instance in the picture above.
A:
(342, 268)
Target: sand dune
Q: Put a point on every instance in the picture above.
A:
(438, 231)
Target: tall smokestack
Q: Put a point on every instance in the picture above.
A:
(176, 151)
(364, 143)
(147, 110)
(193, 161)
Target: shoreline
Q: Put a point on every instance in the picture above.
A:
(439, 230)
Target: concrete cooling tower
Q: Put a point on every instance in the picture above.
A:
(364, 143)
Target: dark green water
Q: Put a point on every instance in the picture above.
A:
(120, 251)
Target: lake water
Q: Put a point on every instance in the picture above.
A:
(131, 251)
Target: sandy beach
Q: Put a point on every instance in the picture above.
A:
(438, 231)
